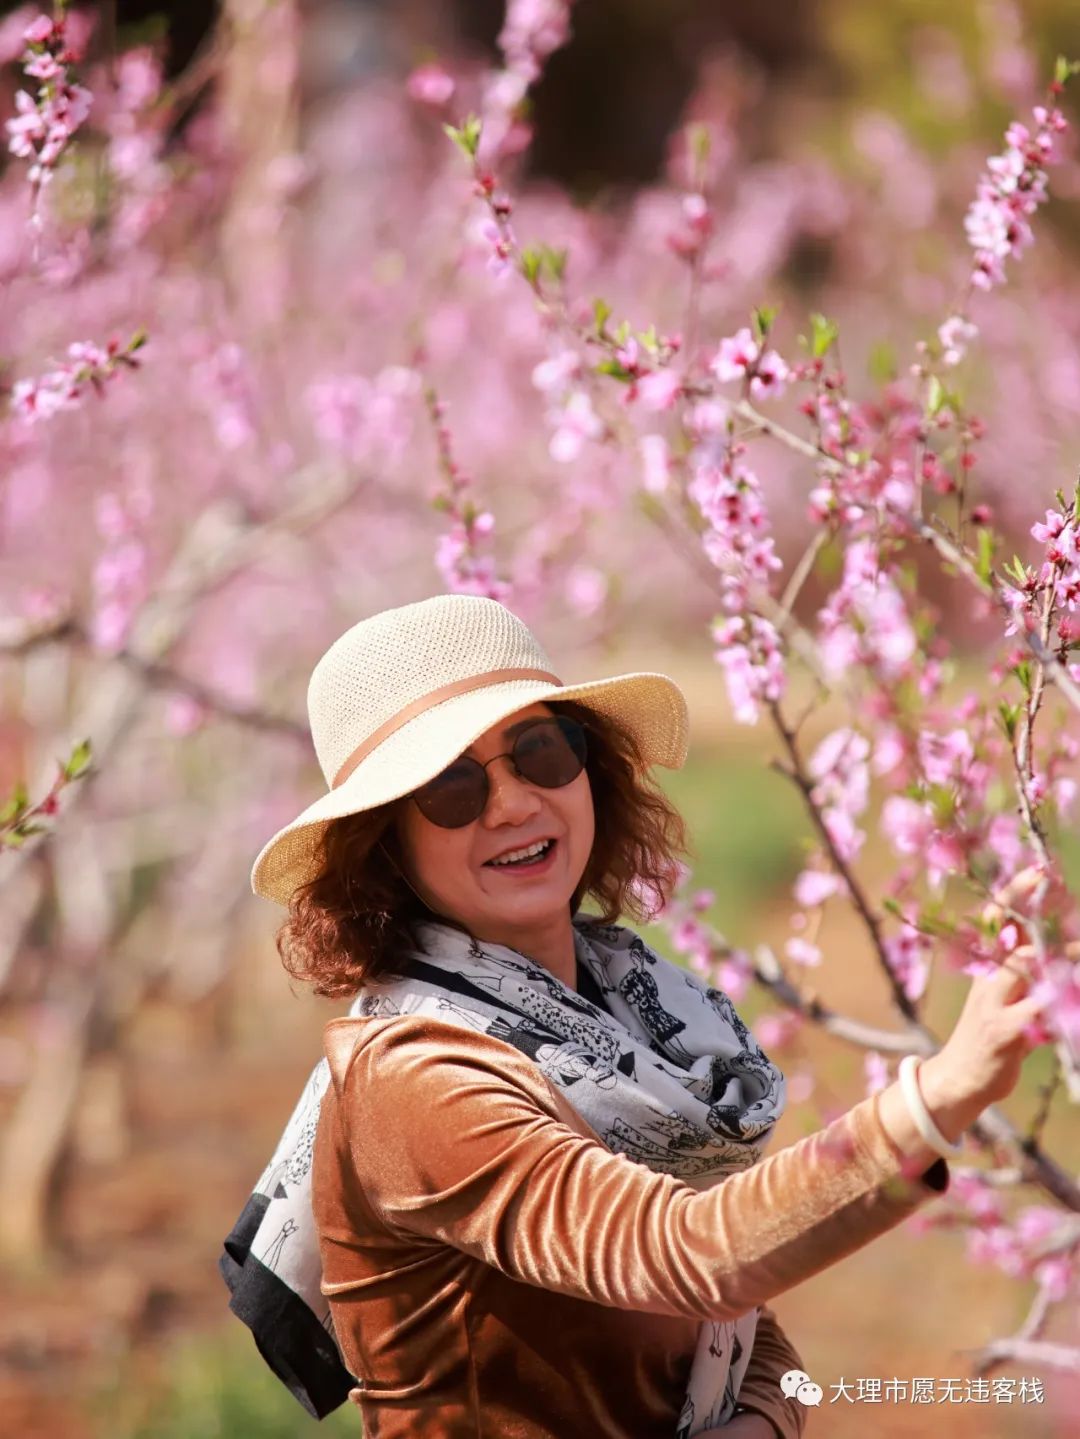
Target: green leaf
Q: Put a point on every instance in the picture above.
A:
(137, 341)
(1010, 716)
(467, 138)
(699, 141)
(943, 803)
(1065, 69)
(824, 334)
(615, 370)
(80, 758)
(764, 316)
(530, 265)
(984, 558)
(881, 363)
(622, 334)
(554, 261)
(16, 804)
(601, 315)
(651, 340)
(935, 398)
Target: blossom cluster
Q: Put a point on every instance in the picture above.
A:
(89, 366)
(571, 416)
(865, 621)
(1012, 188)
(46, 121)
(841, 776)
(1012, 1244)
(741, 357)
(532, 31)
(739, 542)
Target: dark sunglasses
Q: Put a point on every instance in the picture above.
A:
(550, 753)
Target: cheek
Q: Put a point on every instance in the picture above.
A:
(581, 816)
(438, 856)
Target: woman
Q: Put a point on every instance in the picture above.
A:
(514, 1160)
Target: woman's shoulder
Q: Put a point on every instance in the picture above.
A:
(394, 1044)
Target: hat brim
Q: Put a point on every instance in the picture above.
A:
(651, 706)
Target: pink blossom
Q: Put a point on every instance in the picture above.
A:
(815, 886)
(1054, 526)
(774, 1031)
(1064, 791)
(659, 390)
(735, 356)
(875, 1072)
(88, 366)
(431, 85)
(532, 31)
(586, 589)
(655, 464)
(996, 1246)
(1036, 1223)
(556, 373)
(748, 652)
(955, 335)
(740, 356)
(1059, 990)
(906, 824)
(866, 619)
(770, 377)
(1004, 842)
(1011, 189)
(803, 953)
(890, 750)
(905, 954)
(40, 31)
(979, 1200)
(945, 855)
(739, 539)
(945, 758)
(1056, 1276)
(841, 792)
(576, 423)
(44, 124)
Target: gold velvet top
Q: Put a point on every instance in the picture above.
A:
(494, 1271)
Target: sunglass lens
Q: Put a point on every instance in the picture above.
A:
(455, 797)
(552, 752)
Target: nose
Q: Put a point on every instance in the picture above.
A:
(511, 799)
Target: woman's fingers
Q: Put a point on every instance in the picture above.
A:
(1020, 885)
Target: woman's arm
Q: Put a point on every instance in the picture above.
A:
(457, 1138)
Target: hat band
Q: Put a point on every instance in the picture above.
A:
(425, 702)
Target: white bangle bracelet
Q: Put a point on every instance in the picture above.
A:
(909, 1086)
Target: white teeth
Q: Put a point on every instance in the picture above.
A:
(522, 853)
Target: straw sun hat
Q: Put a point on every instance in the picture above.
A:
(399, 696)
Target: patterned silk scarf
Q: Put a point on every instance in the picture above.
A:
(667, 1074)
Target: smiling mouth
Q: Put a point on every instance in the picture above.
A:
(534, 862)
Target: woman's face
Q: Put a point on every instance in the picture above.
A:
(450, 868)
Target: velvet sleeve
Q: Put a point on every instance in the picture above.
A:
(458, 1139)
(772, 1356)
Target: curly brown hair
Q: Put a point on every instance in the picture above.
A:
(358, 916)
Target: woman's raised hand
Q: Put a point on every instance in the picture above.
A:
(997, 1028)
